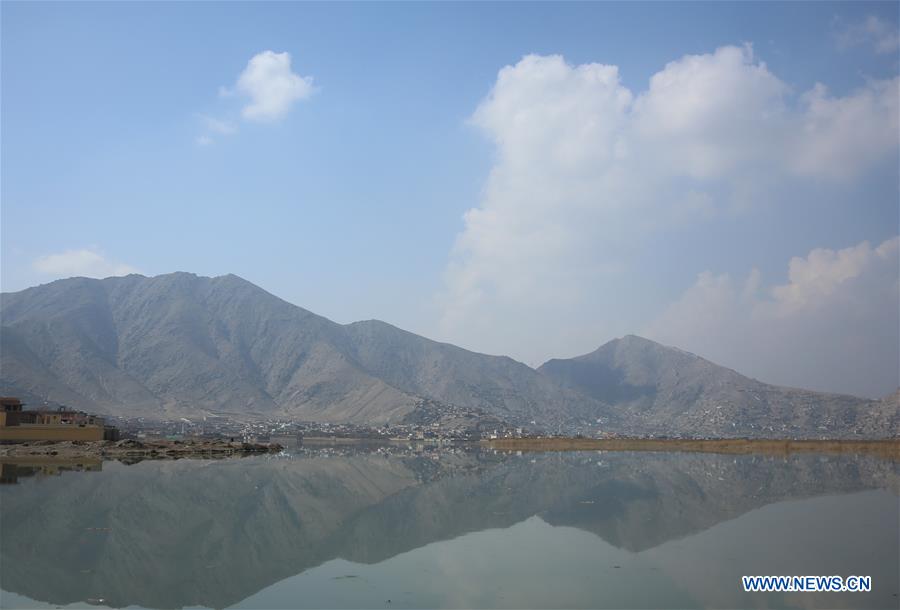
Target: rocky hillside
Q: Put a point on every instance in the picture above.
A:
(183, 345)
(180, 345)
(664, 390)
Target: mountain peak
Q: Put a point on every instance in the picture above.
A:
(662, 388)
(635, 340)
(628, 342)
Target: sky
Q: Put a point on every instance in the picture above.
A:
(525, 179)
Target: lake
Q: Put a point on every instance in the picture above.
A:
(379, 527)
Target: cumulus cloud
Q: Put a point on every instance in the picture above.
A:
(706, 116)
(839, 137)
(85, 262)
(833, 326)
(585, 169)
(272, 86)
(882, 36)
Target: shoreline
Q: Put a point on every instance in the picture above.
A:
(133, 449)
(885, 448)
(217, 449)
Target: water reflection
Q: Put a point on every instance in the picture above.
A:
(350, 528)
(12, 471)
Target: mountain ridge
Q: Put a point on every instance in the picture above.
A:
(186, 345)
(225, 345)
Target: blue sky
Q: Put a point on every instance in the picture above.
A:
(126, 145)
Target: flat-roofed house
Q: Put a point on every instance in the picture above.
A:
(62, 424)
(10, 410)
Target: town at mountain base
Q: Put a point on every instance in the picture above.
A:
(180, 345)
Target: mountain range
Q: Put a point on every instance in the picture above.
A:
(180, 345)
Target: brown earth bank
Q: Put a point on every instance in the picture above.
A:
(129, 448)
(889, 449)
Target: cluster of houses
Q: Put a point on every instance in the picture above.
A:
(409, 431)
(18, 424)
(266, 430)
(61, 424)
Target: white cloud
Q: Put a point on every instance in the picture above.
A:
(884, 37)
(586, 169)
(86, 262)
(839, 137)
(815, 278)
(833, 326)
(557, 131)
(271, 86)
(706, 116)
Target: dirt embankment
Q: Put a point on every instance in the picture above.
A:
(888, 449)
(129, 448)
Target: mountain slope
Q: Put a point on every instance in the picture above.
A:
(664, 390)
(498, 384)
(179, 344)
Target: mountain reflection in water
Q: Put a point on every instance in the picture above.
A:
(449, 529)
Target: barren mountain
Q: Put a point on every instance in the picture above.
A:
(180, 344)
(665, 390)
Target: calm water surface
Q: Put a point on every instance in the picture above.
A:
(354, 528)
